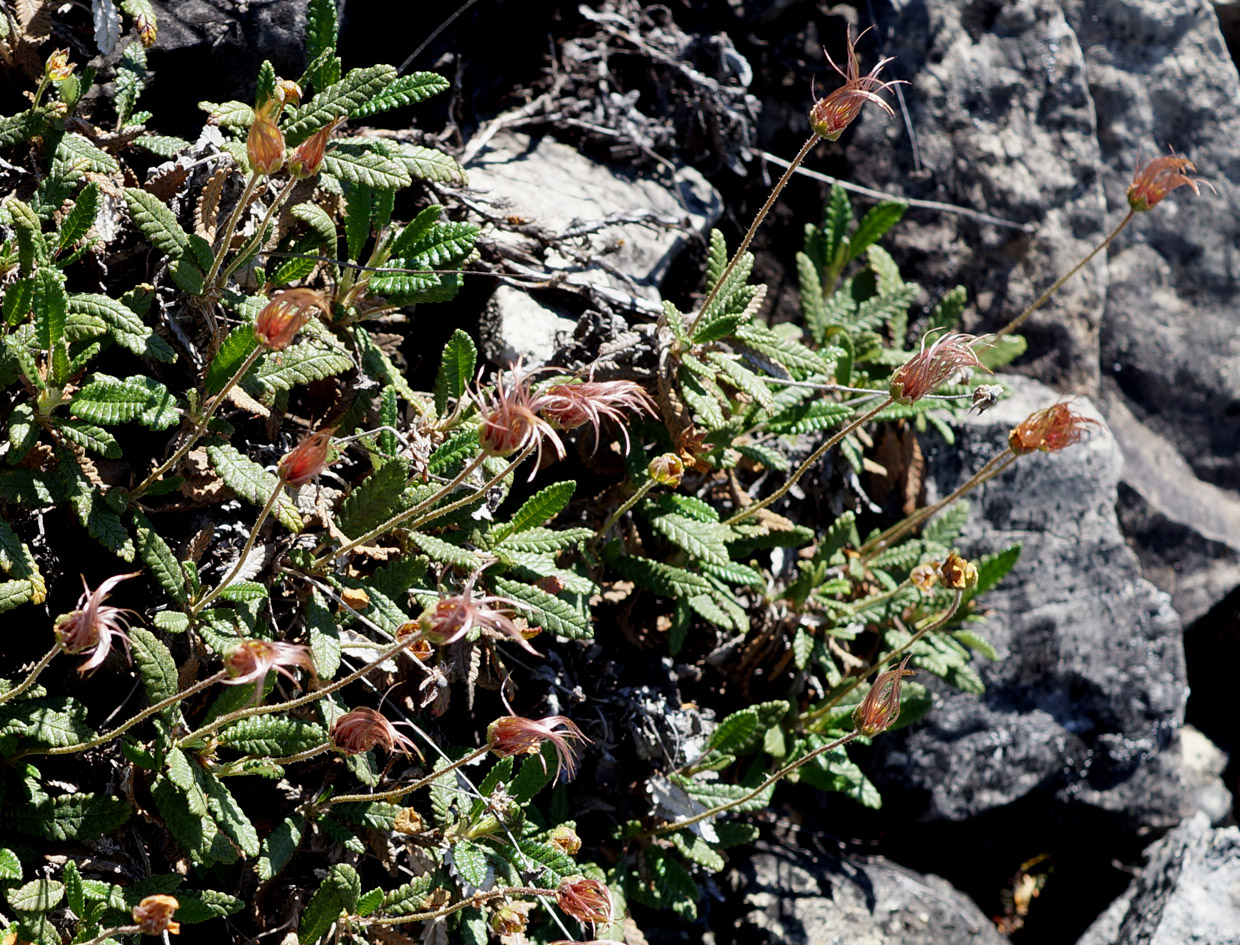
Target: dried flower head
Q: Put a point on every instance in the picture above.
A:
(153, 915)
(94, 625)
(1050, 429)
(565, 838)
(307, 459)
(666, 469)
(452, 618)
(408, 821)
(251, 661)
(570, 406)
(986, 396)
(514, 735)
(831, 115)
(586, 900)
(511, 419)
(881, 705)
(1158, 178)
(307, 156)
(957, 573)
(264, 145)
(282, 318)
(511, 918)
(58, 67)
(931, 368)
(360, 730)
(925, 576)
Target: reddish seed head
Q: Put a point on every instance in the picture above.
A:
(511, 421)
(94, 625)
(360, 730)
(932, 367)
(452, 618)
(881, 705)
(1049, 430)
(514, 735)
(570, 406)
(153, 915)
(306, 460)
(586, 900)
(307, 156)
(251, 661)
(282, 318)
(831, 115)
(1158, 178)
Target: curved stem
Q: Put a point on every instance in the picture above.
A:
(1041, 299)
(185, 447)
(753, 228)
(427, 503)
(112, 933)
(628, 504)
(121, 730)
(476, 899)
(301, 755)
(745, 798)
(408, 788)
(230, 228)
(935, 624)
(257, 238)
(813, 458)
(992, 468)
(312, 696)
(29, 680)
(198, 607)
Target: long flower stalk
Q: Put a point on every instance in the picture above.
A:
(30, 679)
(408, 788)
(199, 606)
(255, 241)
(230, 228)
(476, 899)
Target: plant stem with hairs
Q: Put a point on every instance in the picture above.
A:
(199, 606)
(230, 228)
(29, 680)
(256, 239)
(408, 788)
(475, 900)
(813, 458)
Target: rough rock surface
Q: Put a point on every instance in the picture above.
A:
(1037, 111)
(1188, 892)
(823, 898)
(1086, 703)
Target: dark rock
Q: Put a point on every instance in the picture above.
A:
(798, 897)
(1086, 703)
(1184, 895)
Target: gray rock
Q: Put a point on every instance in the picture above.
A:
(586, 224)
(516, 325)
(1085, 705)
(1186, 894)
(1038, 111)
(823, 898)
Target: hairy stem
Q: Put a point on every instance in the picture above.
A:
(628, 504)
(230, 228)
(1041, 299)
(29, 680)
(992, 468)
(199, 606)
(256, 239)
(121, 730)
(408, 788)
(112, 933)
(753, 228)
(476, 899)
(201, 427)
(813, 458)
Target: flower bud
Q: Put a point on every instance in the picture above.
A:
(1049, 430)
(509, 919)
(408, 821)
(264, 146)
(1158, 178)
(924, 577)
(153, 915)
(666, 469)
(283, 317)
(58, 67)
(932, 367)
(881, 705)
(565, 837)
(957, 573)
(586, 900)
(831, 115)
(307, 459)
(307, 156)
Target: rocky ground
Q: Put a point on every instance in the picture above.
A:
(604, 139)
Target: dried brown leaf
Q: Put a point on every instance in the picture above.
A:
(207, 211)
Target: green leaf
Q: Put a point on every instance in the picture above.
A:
(157, 556)
(1002, 351)
(228, 360)
(702, 540)
(10, 866)
(410, 897)
(431, 165)
(39, 895)
(81, 218)
(109, 400)
(321, 37)
(792, 355)
(155, 664)
(541, 507)
(228, 813)
(338, 101)
(124, 326)
(303, 363)
(232, 116)
(68, 817)
(130, 81)
(279, 846)
(977, 643)
(456, 369)
(359, 164)
(837, 218)
(338, 894)
(947, 313)
(674, 888)
(76, 154)
(407, 90)
(31, 246)
(697, 850)
(273, 736)
(547, 611)
(171, 621)
(87, 435)
(51, 305)
(471, 862)
(991, 569)
(544, 541)
(242, 591)
(813, 308)
(18, 562)
(881, 218)
(663, 579)
(157, 223)
(743, 379)
(253, 483)
(376, 500)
